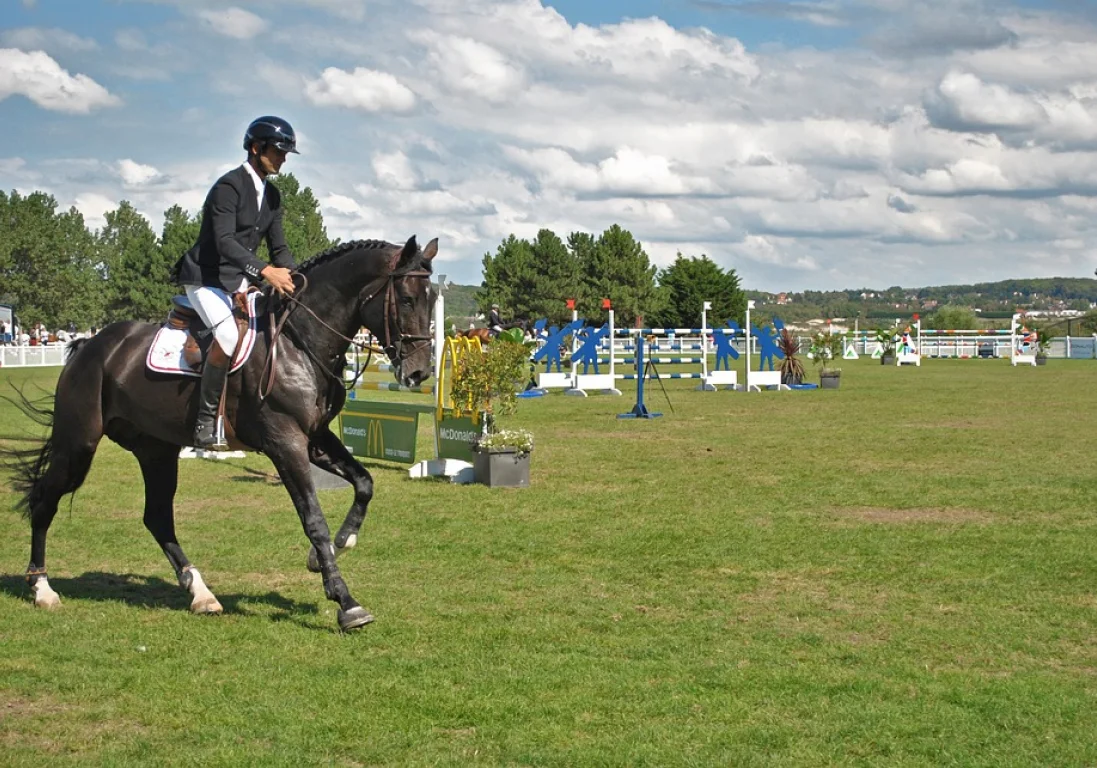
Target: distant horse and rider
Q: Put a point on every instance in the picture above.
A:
(496, 325)
(280, 402)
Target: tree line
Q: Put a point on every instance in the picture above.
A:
(532, 279)
(56, 271)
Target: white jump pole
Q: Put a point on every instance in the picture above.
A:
(705, 386)
(612, 356)
(750, 306)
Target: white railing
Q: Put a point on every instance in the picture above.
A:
(32, 357)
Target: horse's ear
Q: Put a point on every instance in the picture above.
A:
(407, 253)
(431, 250)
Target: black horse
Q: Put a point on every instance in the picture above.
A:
(105, 389)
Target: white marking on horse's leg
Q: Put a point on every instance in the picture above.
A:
(44, 596)
(204, 601)
(352, 542)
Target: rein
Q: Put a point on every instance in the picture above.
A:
(394, 353)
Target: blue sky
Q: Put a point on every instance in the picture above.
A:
(808, 144)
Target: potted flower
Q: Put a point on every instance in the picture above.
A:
(792, 367)
(502, 458)
(885, 338)
(487, 382)
(826, 348)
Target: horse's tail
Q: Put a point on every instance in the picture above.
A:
(75, 346)
(30, 465)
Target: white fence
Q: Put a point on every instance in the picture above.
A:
(32, 357)
(1075, 347)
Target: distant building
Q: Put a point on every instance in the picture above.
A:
(782, 298)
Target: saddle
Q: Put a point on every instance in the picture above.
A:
(182, 316)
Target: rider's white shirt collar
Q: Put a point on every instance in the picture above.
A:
(260, 185)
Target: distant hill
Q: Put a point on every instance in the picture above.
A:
(461, 301)
(995, 302)
(991, 301)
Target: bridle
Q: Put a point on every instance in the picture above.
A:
(395, 352)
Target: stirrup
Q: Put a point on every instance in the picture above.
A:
(208, 439)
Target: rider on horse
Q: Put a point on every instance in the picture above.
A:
(495, 322)
(240, 210)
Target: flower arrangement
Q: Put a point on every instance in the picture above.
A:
(519, 439)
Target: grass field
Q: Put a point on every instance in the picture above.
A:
(901, 572)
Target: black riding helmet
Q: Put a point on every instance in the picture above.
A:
(271, 130)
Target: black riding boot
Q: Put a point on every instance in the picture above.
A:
(209, 400)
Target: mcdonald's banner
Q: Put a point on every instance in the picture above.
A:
(455, 436)
(381, 430)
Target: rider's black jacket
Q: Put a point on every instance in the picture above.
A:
(232, 228)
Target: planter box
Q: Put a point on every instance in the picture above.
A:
(829, 382)
(1041, 360)
(502, 468)
(887, 359)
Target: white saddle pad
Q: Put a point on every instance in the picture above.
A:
(166, 351)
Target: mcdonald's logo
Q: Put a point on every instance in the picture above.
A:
(375, 439)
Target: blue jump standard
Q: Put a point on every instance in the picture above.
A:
(639, 411)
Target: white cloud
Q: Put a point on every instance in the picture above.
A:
(95, 206)
(471, 67)
(365, 89)
(394, 170)
(966, 150)
(233, 22)
(40, 39)
(43, 81)
(771, 250)
(135, 174)
(627, 171)
(340, 204)
(967, 103)
(350, 10)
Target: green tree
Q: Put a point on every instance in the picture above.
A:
(179, 234)
(83, 283)
(302, 221)
(139, 285)
(47, 262)
(555, 278)
(690, 281)
(952, 317)
(508, 278)
(618, 269)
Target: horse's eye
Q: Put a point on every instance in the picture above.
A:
(407, 301)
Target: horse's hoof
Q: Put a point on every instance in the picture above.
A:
(207, 607)
(50, 602)
(354, 618)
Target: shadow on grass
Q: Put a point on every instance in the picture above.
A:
(154, 592)
(257, 476)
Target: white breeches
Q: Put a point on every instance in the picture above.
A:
(214, 306)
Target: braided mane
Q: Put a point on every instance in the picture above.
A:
(343, 248)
